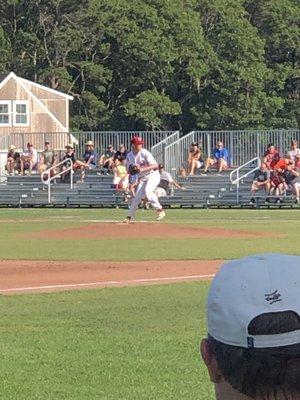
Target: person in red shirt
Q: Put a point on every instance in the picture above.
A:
(271, 156)
(282, 164)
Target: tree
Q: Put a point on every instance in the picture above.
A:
(153, 108)
(211, 64)
(234, 95)
(278, 23)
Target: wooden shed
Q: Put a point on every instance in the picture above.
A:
(29, 110)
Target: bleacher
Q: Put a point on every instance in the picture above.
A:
(211, 191)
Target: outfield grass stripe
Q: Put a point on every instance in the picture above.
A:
(107, 283)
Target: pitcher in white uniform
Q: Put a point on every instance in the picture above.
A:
(149, 178)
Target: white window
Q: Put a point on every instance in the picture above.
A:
(21, 113)
(5, 113)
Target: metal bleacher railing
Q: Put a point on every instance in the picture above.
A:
(236, 176)
(59, 140)
(102, 140)
(158, 150)
(242, 145)
(50, 175)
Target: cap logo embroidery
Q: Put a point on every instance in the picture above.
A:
(250, 342)
(274, 297)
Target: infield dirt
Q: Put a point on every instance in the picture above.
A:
(17, 276)
(144, 230)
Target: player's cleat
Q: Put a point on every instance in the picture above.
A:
(160, 215)
(127, 220)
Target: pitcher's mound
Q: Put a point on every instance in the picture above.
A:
(144, 230)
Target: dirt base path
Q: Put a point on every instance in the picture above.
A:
(17, 276)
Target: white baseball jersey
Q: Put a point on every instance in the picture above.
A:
(165, 176)
(143, 159)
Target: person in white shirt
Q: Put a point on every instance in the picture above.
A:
(148, 178)
(294, 151)
(166, 181)
(29, 159)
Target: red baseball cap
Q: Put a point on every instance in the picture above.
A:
(137, 140)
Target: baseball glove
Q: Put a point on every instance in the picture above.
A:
(133, 169)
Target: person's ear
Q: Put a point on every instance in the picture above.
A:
(210, 362)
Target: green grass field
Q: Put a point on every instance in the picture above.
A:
(15, 243)
(118, 343)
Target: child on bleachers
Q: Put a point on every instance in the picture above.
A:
(121, 177)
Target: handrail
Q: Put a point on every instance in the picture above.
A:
(174, 161)
(163, 141)
(239, 178)
(51, 178)
(158, 149)
(237, 170)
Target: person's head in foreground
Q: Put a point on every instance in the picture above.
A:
(253, 345)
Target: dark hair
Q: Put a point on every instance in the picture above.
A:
(262, 373)
(119, 157)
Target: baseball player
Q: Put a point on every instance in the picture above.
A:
(140, 161)
(166, 181)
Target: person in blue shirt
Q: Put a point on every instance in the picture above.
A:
(89, 159)
(219, 159)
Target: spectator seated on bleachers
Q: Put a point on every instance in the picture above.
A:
(13, 162)
(271, 156)
(261, 180)
(48, 159)
(219, 159)
(121, 152)
(291, 176)
(89, 160)
(133, 184)
(166, 182)
(277, 186)
(68, 157)
(282, 163)
(107, 159)
(121, 177)
(29, 159)
(194, 159)
(294, 151)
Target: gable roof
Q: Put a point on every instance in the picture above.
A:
(67, 96)
(5, 78)
(22, 82)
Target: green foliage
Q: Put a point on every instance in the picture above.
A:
(164, 64)
(152, 107)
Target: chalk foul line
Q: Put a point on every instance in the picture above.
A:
(106, 283)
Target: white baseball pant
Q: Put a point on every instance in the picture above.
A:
(146, 189)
